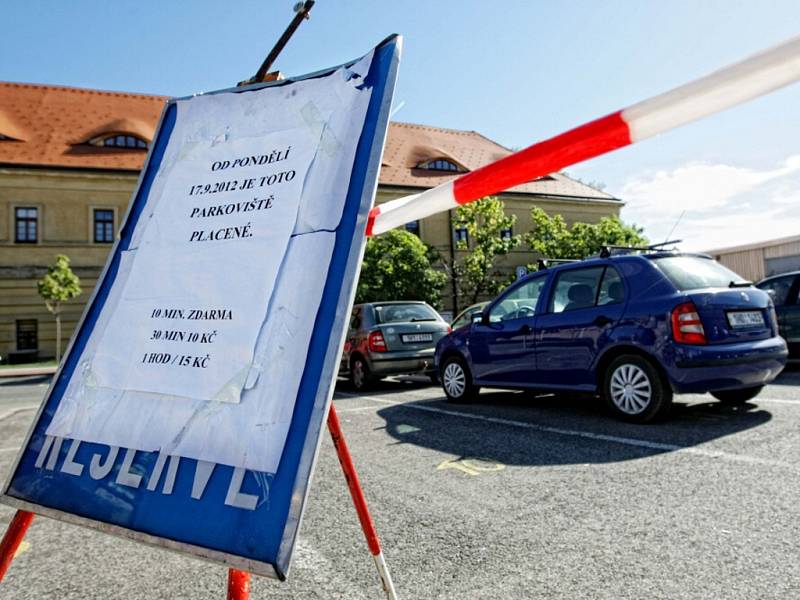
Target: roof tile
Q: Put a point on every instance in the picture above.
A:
(50, 125)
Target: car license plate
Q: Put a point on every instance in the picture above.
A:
(410, 338)
(746, 318)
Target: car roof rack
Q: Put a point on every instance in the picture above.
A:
(544, 263)
(611, 250)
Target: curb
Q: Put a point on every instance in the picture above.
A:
(25, 372)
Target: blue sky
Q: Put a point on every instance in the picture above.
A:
(515, 71)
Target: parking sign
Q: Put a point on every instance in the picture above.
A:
(188, 410)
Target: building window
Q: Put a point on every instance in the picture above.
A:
(120, 141)
(26, 225)
(461, 235)
(27, 334)
(413, 227)
(103, 226)
(506, 234)
(441, 164)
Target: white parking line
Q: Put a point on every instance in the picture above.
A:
(590, 435)
(776, 400)
(13, 412)
(349, 410)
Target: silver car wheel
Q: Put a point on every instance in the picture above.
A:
(631, 390)
(454, 380)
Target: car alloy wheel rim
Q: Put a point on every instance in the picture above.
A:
(631, 391)
(358, 373)
(454, 380)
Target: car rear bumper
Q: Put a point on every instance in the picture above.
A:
(699, 369)
(396, 365)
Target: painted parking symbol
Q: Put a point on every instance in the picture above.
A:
(472, 465)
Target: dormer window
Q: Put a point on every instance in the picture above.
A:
(441, 164)
(120, 140)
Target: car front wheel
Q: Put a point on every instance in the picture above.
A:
(736, 397)
(634, 390)
(457, 381)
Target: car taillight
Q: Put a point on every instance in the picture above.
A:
(376, 342)
(449, 329)
(687, 328)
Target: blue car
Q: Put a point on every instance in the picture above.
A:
(633, 328)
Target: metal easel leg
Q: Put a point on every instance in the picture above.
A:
(360, 503)
(13, 538)
(238, 585)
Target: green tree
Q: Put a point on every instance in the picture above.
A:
(476, 273)
(553, 238)
(397, 266)
(58, 286)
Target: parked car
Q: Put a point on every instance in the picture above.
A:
(465, 316)
(634, 328)
(784, 289)
(391, 338)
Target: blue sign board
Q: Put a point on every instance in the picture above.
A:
(136, 436)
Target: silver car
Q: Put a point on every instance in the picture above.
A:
(391, 338)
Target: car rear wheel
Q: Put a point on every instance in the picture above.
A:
(457, 381)
(736, 397)
(634, 390)
(359, 373)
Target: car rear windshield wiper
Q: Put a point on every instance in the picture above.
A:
(738, 284)
(415, 320)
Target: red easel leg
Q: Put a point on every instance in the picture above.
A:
(360, 503)
(238, 585)
(13, 538)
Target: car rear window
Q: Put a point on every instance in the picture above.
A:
(404, 313)
(695, 272)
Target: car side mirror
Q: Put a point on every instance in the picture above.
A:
(481, 318)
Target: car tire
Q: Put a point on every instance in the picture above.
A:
(457, 381)
(737, 397)
(359, 376)
(634, 391)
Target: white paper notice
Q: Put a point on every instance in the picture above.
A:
(203, 339)
(183, 327)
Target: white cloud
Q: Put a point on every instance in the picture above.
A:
(724, 205)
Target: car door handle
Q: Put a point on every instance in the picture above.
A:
(525, 329)
(602, 321)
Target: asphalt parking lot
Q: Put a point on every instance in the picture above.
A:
(515, 496)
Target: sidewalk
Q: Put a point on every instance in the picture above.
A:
(23, 371)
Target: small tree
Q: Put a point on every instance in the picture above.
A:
(397, 266)
(552, 238)
(59, 285)
(485, 222)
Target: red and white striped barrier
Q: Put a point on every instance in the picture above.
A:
(738, 83)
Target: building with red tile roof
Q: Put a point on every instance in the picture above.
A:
(69, 162)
